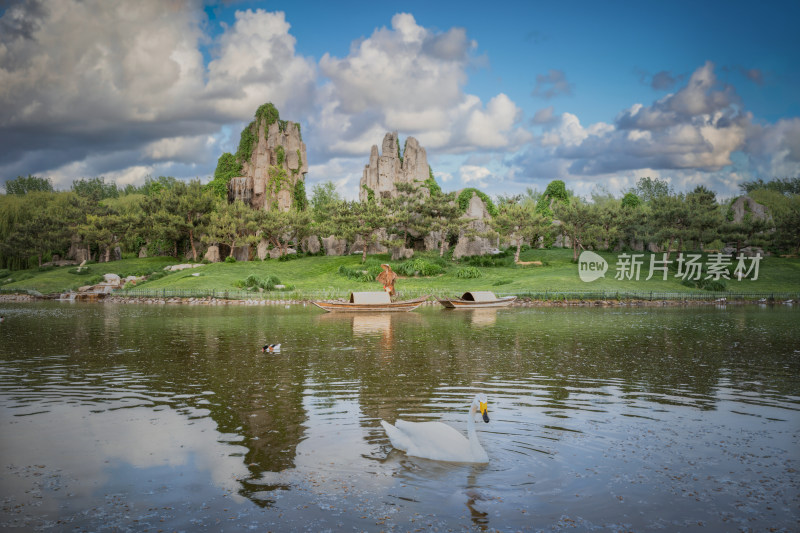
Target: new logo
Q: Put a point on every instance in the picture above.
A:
(591, 266)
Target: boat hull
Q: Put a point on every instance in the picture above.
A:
(458, 303)
(344, 307)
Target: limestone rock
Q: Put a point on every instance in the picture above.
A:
(212, 254)
(334, 246)
(385, 169)
(744, 205)
(277, 162)
(242, 253)
(311, 245)
(275, 253)
(478, 215)
(262, 250)
(401, 252)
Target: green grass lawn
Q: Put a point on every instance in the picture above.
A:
(312, 275)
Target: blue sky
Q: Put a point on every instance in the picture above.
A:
(504, 96)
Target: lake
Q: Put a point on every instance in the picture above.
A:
(148, 418)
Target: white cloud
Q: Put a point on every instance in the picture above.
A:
(474, 175)
(88, 79)
(410, 79)
(443, 176)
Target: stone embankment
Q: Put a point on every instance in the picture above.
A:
(522, 302)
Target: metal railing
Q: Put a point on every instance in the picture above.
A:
(656, 295)
(332, 294)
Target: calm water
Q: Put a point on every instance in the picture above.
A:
(128, 417)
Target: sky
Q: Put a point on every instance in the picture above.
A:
(505, 96)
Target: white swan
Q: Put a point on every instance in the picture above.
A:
(438, 441)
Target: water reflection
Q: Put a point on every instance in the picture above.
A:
(580, 400)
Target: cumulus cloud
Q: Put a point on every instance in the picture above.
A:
(90, 76)
(474, 175)
(410, 79)
(698, 127)
(697, 135)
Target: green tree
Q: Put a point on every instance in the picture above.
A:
(648, 189)
(353, 220)
(555, 193)
(195, 204)
(787, 230)
(610, 219)
(442, 216)
(324, 201)
(669, 220)
(519, 223)
(163, 223)
(227, 167)
(631, 200)
(787, 186)
(25, 184)
(578, 221)
(95, 189)
(233, 224)
(705, 217)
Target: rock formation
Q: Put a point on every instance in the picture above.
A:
(273, 158)
(385, 170)
(469, 240)
(744, 205)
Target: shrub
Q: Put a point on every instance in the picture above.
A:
(501, 259)
(230, 259)
(468, 272)
(157, 275)
(368, 272)
(4, 273)
(253, 282)
(718, 285)
(418, 267)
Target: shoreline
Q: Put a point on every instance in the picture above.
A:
(520, 302)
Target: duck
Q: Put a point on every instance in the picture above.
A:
(439, 441)
(271, 348)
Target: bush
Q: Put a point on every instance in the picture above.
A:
(368, 272)
(4, 273)
(501, 259)
(230, 259)
(468, 272)
(253, 282)
(418, 267)
(718, 285)
(157, 275)
(288, 257)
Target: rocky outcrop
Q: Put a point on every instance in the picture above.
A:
(334, 245)
(212, 254)
(745, 205)
(387, 168)
(469, 240)
(272, 165)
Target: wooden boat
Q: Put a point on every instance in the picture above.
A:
(369, 301)
(476, 300)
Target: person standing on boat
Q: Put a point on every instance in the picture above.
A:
(387, 277)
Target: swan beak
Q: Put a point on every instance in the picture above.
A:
(484, 412)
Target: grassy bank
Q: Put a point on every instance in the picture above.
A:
(321, 276)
